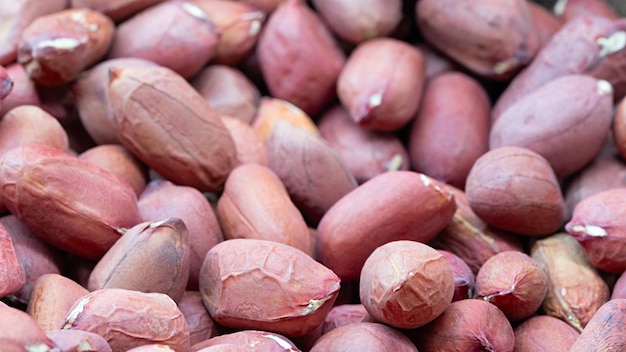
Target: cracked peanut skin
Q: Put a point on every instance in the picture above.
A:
(264, 285)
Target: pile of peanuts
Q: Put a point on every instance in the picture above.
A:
(291, 175)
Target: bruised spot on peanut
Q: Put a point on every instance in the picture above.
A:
(612, 44)
(71, 318)
(281, 342)
(604, 87)
(591, 230)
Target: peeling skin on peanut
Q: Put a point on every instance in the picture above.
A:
(591, 230)
(612, 44)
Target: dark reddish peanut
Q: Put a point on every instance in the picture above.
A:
(605, 331)
(467, 325)
(470, 238)
(128, 319)
(586, 45)
(619, 128)
(313, 173)
(381, 84)
(492, 38)
(162, 199)
(601, 174)
(367, 153)
(116, 9)
(451, 129)
(575, 289)
(167, 124)
(257, 284)
(19, 332)
(568, 128)
(25, 92)
(544, 333)
(515, 189)
(239, 25)
(299, 58)
(118, 160)
(17, 15)
(406, 284)
(356, 22)
(567, 10)
(382, 210)
(12, 274)
(38, 185)
(56, 48)
(201, 325)
(513, 282)
(90, 99)
(246, 341)
(272, 110)
(366, 337)
(464, 278)
(52, 298)
(599, 224)
(255, 204)
(344, 314)
(150, 257)
(79, 341)
(545, 22)
(36, 257)
(174, 34)
(228, 91)
(28, 124)
(250, 147)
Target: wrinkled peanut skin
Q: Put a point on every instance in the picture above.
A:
(201, 325)
(265, 285)
(38, 185)
(344, 314)
(246, 341)
(78, 341)
(12, 274)
(604, 332)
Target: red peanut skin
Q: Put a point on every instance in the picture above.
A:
(246, 341)
(545, 22)
(619, 289)
(162, 120)
(52, 297)
(344, 314)
(13, 276)
(38, 184)
(490, 38)
(128, 319)
(255, 204)
(544, 333)
(510, 188)
(28, 124)
(568, 128)
(446, 138)
(118, 10)
(464, 277)
(162, 199)
(313, 173)
(470, 238)
(250, 147)
(150, 257)
(366, 337)
(619, 128)
(406, 284)
(56, 48)
(78, 341)
(401, 205)
(201, 325)
(356, 22)
(118, 160)
(467, 325)
(91, 101)
(36, 257)
(18, 331)
(16, 16)
(299, 58)
(239, 25)
(598, 224)
(174, 34)
(228, 91)
(572, 50)
(265, 285)
(367, 153)
(604, 332)
(382, 82)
